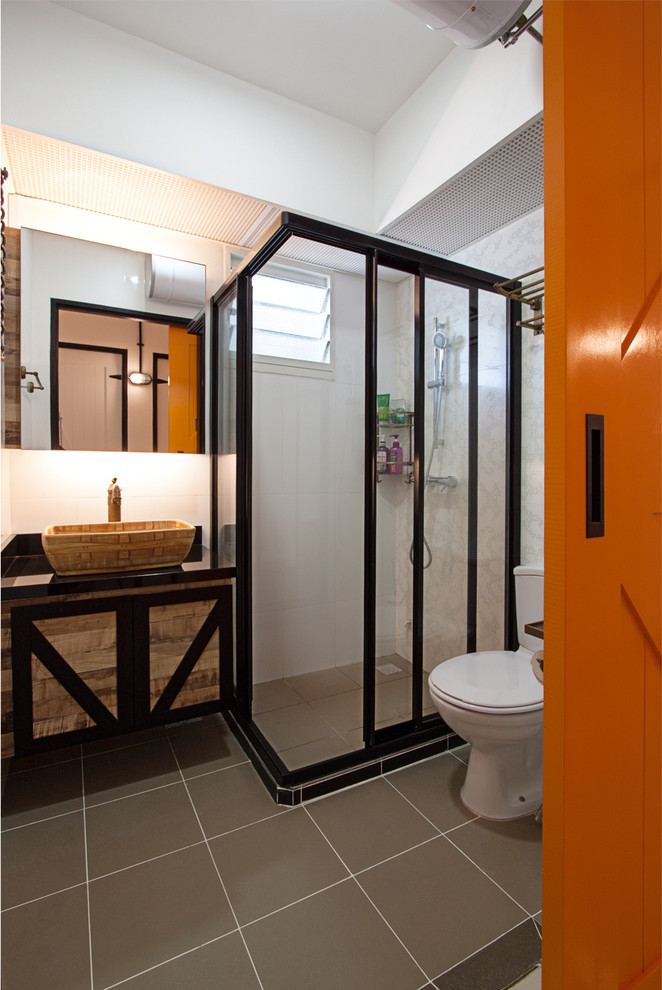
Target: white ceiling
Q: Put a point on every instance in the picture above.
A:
(357, 60)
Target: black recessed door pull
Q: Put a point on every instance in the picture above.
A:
(595, 475)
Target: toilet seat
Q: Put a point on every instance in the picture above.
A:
(501, 682)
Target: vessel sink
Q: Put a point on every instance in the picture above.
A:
(117, 546)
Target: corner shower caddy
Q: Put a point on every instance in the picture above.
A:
(415, 734)
(406, 475)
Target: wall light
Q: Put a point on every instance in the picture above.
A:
(140, 377)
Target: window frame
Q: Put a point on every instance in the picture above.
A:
(272, 364)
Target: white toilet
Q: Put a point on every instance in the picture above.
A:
(495, 702)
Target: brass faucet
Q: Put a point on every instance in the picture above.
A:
(114, 501)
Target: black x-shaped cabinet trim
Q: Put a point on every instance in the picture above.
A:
(132, 660)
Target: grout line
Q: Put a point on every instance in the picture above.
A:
(120, 749)
(440, 830)
(491, 879)
(43, 897)
(366, 869)
(39, 821)
(171, 783)
(181, 955)
(411, 803)
(414, 960)
(42, 766)
(368, 898)
(127, 797)
(469, 821)
(299, 900)
(143, 862)
(218, 873)
(206, 773)
(87, 873)
(286, 811)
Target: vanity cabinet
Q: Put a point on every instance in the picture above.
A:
(94, 665)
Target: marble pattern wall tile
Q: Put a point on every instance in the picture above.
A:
(511, 251)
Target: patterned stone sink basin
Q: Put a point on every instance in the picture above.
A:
(117, 546)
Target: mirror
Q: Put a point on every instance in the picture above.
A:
(121, 370)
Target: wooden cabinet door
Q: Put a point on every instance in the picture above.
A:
(183, 654)
(71, 672)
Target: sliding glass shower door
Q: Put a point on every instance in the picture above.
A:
(377, 492)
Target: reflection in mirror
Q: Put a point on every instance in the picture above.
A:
(123, 381)
(93, 316)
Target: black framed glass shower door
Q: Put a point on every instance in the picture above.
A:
(357, 540)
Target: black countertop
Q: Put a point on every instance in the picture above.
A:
(26, 572)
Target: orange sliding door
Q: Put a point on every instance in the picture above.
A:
(183, 402)
(601, 842)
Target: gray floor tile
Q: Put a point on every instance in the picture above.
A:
(221, 964)
(42, 858)
(131, 830)
(342, 711)
(440, 928)
(393, 698)
(270, 695)
(510, 853)
(321, 683)
(155, 910)
(122, 772)
(311, 944)
(293, 726)
(33, 795)
(228, 799)
(16, 764)
(498, 965)
(461, 753)
(274, 863)
(315, 752)
(124, 740)
(353, 670)
(369, 823)
(46, 944)
(204, 746)
(434, 788)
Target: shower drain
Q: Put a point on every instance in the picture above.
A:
(388, 668)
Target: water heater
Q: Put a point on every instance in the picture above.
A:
(468, 24)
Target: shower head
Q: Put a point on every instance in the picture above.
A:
(439, 338)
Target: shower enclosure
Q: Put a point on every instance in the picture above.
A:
(360, 568)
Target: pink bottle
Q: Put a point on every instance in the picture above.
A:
(395, 457)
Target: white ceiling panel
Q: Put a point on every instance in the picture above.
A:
(357, 60)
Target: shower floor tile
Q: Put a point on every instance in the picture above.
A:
(322, 712)
(293, 726)
(389, 885)
(321, 683)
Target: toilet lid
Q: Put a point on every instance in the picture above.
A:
(489, 680)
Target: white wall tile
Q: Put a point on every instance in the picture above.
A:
(309, 639)
(349, 631)
(268, 435)
(267, 646)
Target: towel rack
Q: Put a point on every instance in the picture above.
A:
(531, 293)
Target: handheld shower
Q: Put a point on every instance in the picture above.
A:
(439, 343)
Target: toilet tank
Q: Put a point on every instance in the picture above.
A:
(529, 584)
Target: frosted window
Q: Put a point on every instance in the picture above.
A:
(291, 317)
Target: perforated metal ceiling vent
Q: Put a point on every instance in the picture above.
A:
(506, 183)
(44, 168)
